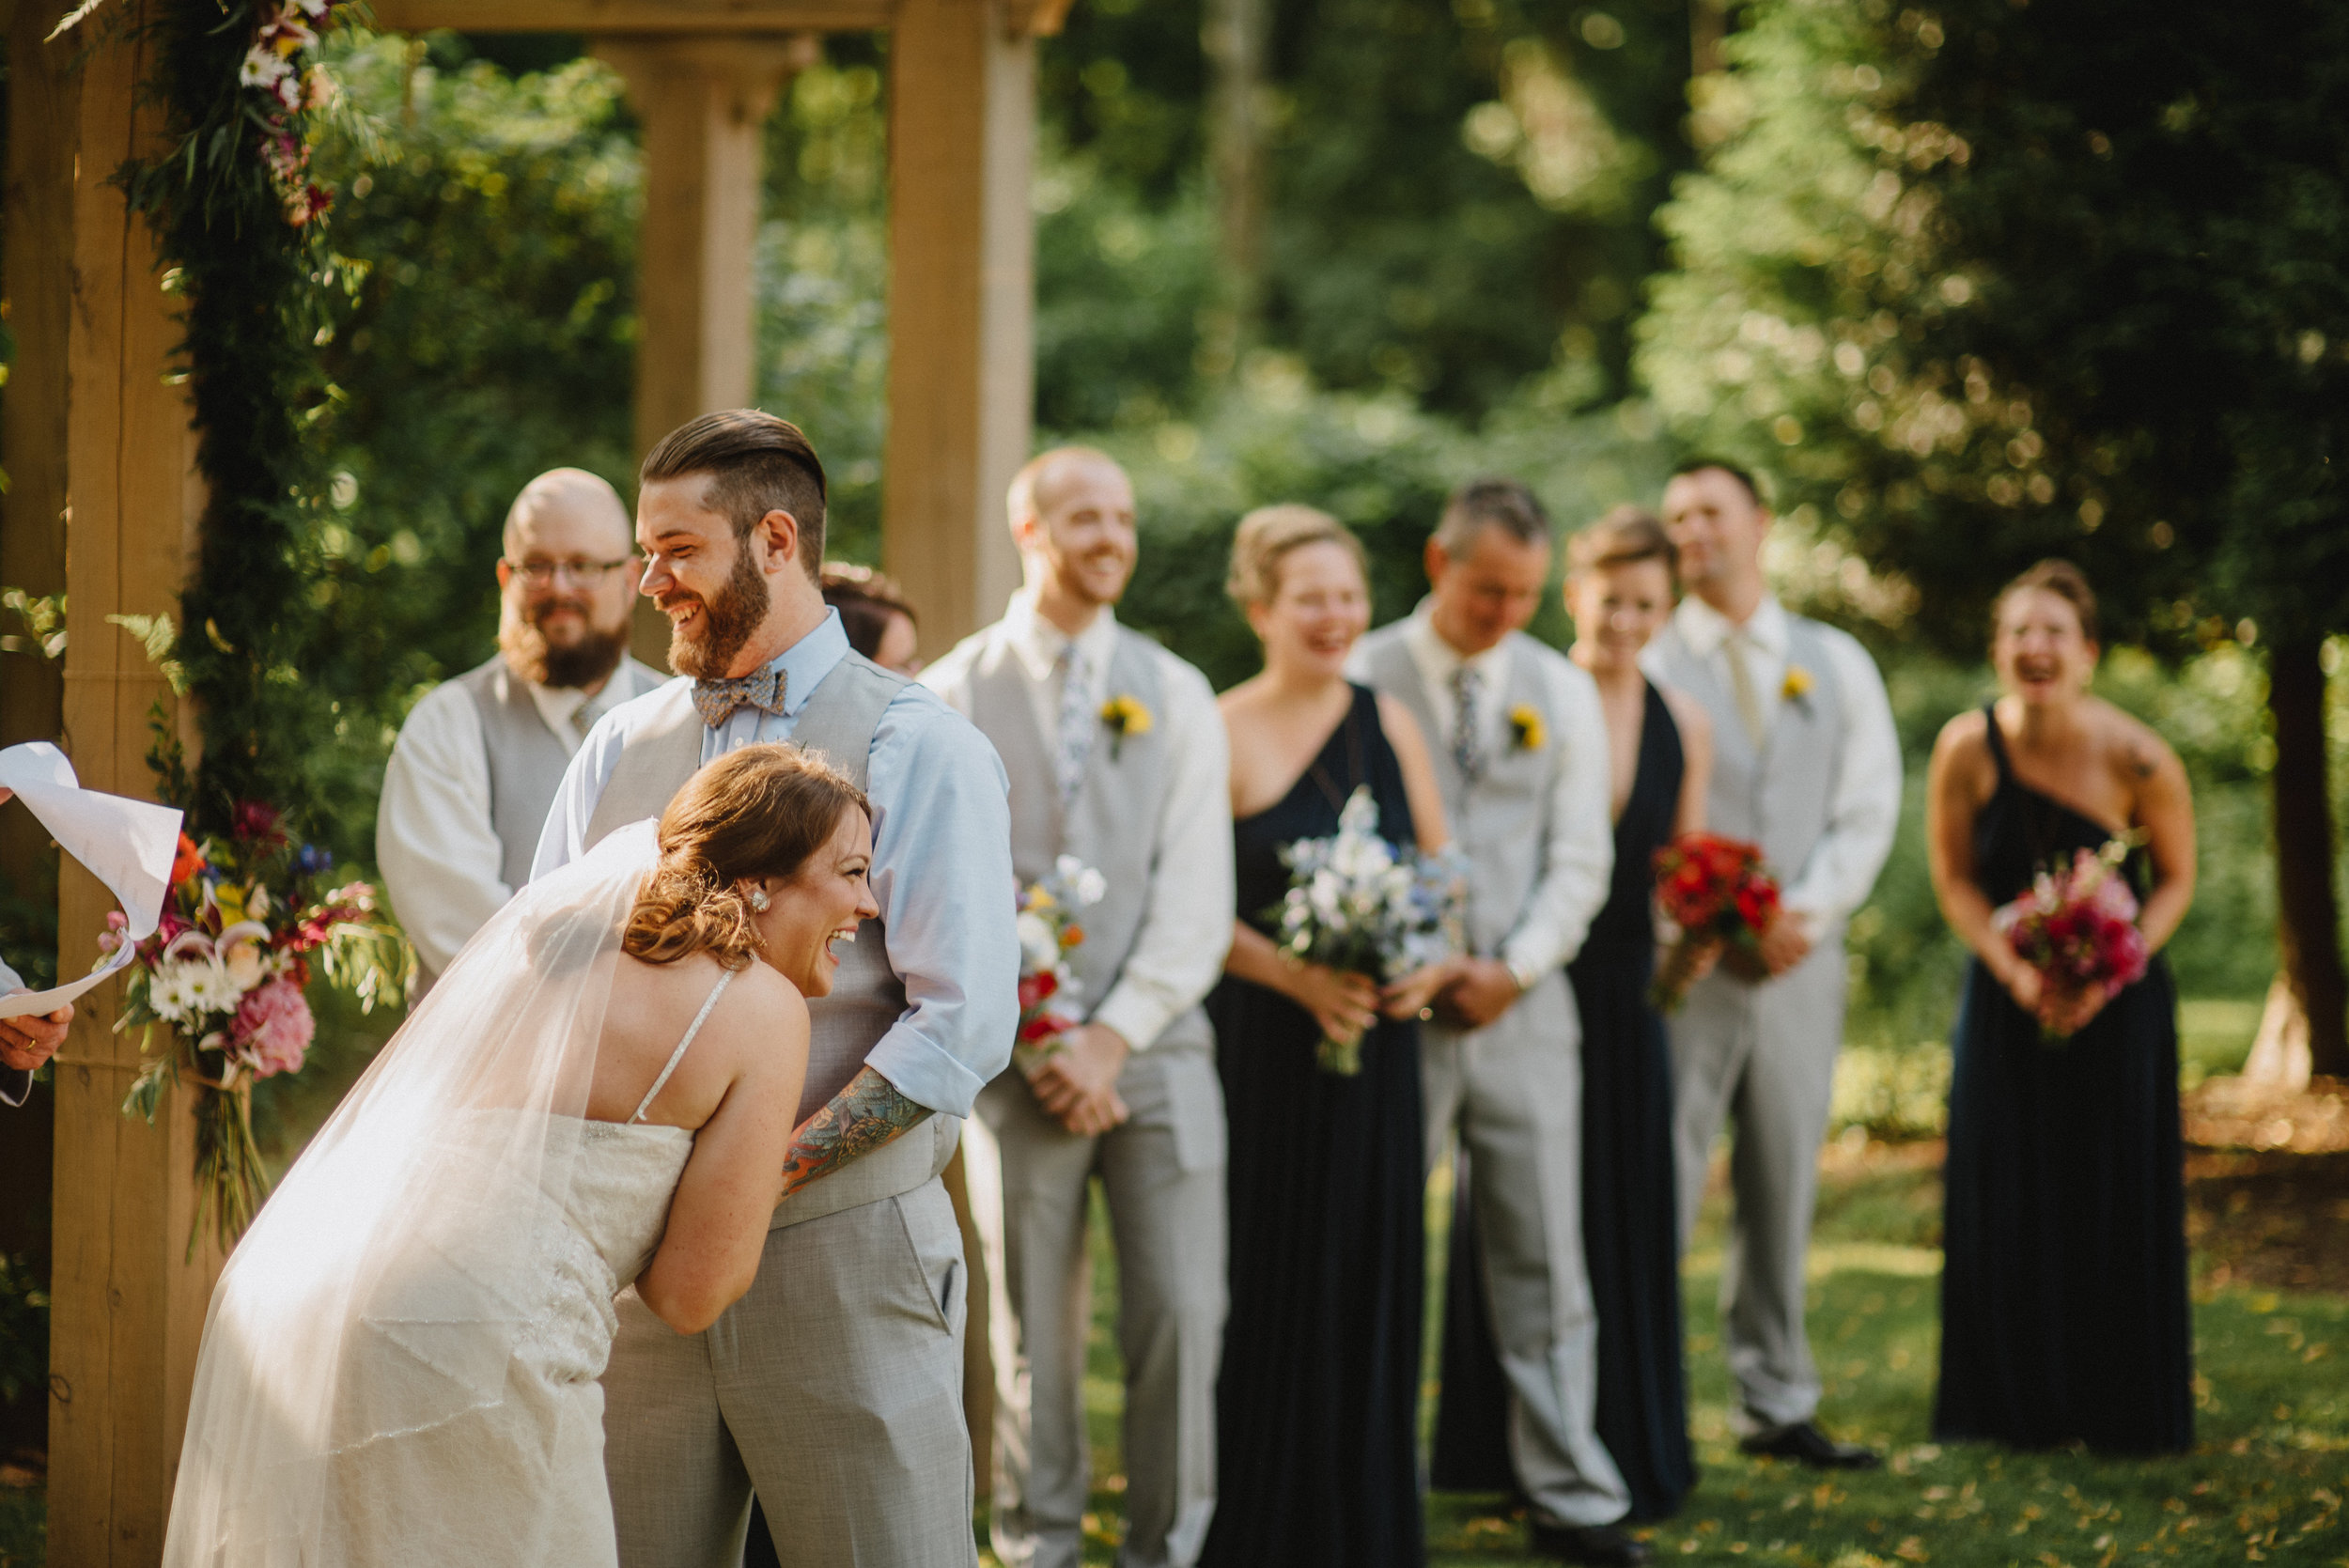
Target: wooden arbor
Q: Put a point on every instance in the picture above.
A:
(104, 501)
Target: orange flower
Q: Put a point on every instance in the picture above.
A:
(187, 862)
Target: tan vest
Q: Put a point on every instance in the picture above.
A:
(867, 998)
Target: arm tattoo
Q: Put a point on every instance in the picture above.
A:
(860, 1119)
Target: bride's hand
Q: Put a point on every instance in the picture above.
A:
(1409, 997)
(1343, 1004)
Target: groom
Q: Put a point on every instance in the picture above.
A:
(1132, 1094)
(835, 1387)
(1807, 764)
(1519, 748)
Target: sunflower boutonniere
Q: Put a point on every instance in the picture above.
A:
(1125, 716)
(1797, 687)
(1526, 729)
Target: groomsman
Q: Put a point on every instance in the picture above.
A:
(835, 1387)
(1117, 756)
(1519, 746)
(477, 761)
(1806, 763)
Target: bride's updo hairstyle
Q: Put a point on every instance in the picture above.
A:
(762, 811)
(1268, 533)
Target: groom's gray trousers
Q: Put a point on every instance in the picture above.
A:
(1162, 1177)
(835, 1387)
(1513, 1091)
(1761, 1057)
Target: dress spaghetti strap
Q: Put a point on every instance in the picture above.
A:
(724, 978)
(1998, 742)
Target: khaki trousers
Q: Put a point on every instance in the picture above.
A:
(1762, 1058)
(1513, 1094)
(835, 1387)
(1163, 1174)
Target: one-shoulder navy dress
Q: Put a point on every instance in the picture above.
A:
(2065, 1314)
(1316, 1459)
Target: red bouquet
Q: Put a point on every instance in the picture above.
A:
(2078, 927)
(1719, 893)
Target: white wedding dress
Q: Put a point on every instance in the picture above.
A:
(399, 1368)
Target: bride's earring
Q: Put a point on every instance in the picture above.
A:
(759, 901)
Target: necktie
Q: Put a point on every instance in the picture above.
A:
(716, 700)
(1468, 746)
(1741, 686)
(1076, 722)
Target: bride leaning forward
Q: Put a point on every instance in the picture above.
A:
(399, 1365)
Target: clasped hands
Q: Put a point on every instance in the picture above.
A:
(2061, 1010)
(1347, 1005)
(1077, 1084)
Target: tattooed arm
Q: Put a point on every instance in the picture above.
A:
(869, 1113)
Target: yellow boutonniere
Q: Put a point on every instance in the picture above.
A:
(1798, 684)
(1526, 727)
(1125, 716)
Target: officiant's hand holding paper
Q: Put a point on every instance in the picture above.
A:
(28, 1042)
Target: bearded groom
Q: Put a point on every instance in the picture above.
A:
(835, 1387)
(1117, 756)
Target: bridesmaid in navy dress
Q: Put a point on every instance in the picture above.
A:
(1316, 1450)
(1620, 594)
(2063, 1291)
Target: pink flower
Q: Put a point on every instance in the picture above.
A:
(273, 1028)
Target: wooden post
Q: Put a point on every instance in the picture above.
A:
(703, 103)
(127, 1306)
(961, 306)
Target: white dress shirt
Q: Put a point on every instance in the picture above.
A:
(440, 857)
(1580, 849)
(1866, 808)
(941, 865)
(1185, 929)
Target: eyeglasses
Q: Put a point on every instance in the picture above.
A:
(587, 574)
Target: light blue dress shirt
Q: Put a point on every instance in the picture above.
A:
(941, 865)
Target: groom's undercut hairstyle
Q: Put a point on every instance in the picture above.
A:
(1482, 504)
(756, 464)
(1626, 534)
(1743, 475)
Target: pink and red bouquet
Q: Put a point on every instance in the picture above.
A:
(1050, 930)
(1720, 895)
(2078, 926)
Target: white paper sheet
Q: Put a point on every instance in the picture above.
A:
(127, 844)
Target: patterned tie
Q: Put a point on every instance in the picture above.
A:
(762, 689)
(1467, 744)
(1741, 686)
(1077, 720)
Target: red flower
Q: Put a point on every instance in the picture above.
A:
(1042, 1027)
(187, 862)
(1036, 989)
(256, 822)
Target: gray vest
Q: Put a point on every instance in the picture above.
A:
(1112, 825)
(1501, 822)
(867, 998)
(1781, 797)
(526, 759)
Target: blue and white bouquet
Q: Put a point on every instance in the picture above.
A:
(1358, 904)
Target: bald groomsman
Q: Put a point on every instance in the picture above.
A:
(477, 762)
(1131, 1095)
(1807, 764)
(1520, 746)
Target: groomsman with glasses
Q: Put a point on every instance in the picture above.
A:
(1520, 746)
(477, 761)
(1117, 756)
(1806, 763)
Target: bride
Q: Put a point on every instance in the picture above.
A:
(399, 1364)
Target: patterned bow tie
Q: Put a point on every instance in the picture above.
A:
(762, 689)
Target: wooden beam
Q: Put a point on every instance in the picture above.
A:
(647, 17)
(126, 1304)
(962, 308)
(703, 101)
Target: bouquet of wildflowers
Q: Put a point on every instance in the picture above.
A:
(1358, 904)
(2078, 926)
(1049, 929)
(242, 925)
(1717, 890)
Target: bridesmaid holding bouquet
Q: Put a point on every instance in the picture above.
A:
(2063, 1293)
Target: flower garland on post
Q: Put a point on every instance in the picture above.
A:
(235, 220)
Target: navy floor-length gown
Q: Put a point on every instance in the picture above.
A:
(2065, 1314)
(1316, 1464)
(1629, 1214)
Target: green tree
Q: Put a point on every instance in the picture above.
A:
(1999, 281)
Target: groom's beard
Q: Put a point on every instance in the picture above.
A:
(728, 619)
(583, 663)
